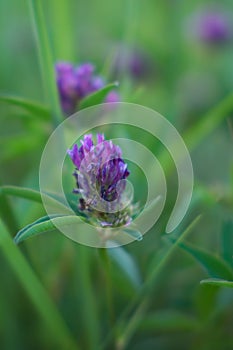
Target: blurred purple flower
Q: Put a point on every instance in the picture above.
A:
(67, 86)
(75, 83)
(112, 97)
(134, 62)
(100, 174)
(212, 27)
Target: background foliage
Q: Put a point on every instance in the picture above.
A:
(57, 294)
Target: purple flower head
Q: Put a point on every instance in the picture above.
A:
(212, 27)
(100, 177)
(86, 81)
(75, 83)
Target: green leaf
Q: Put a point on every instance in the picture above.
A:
(218, 282)
(32, 195)
(22, 192)
(126, 263)
(29, 226)
(98, 96)
(133, 233)
(226, 240)
(215, 266)
(169, 320)
(204, 300)
(30, 106)
(45, 224)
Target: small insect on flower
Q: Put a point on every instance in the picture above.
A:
(101, 182)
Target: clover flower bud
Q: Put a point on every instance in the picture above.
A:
(100, 178)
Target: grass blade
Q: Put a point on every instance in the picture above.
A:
(214, 266)
(209, 122)
(22, 193)
(52, 320)
(33, 107)
(46, 60)
(32, 195)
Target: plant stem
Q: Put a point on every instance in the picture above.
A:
(133, 324)
(89, 312)
(108, 281)
(46, 60)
